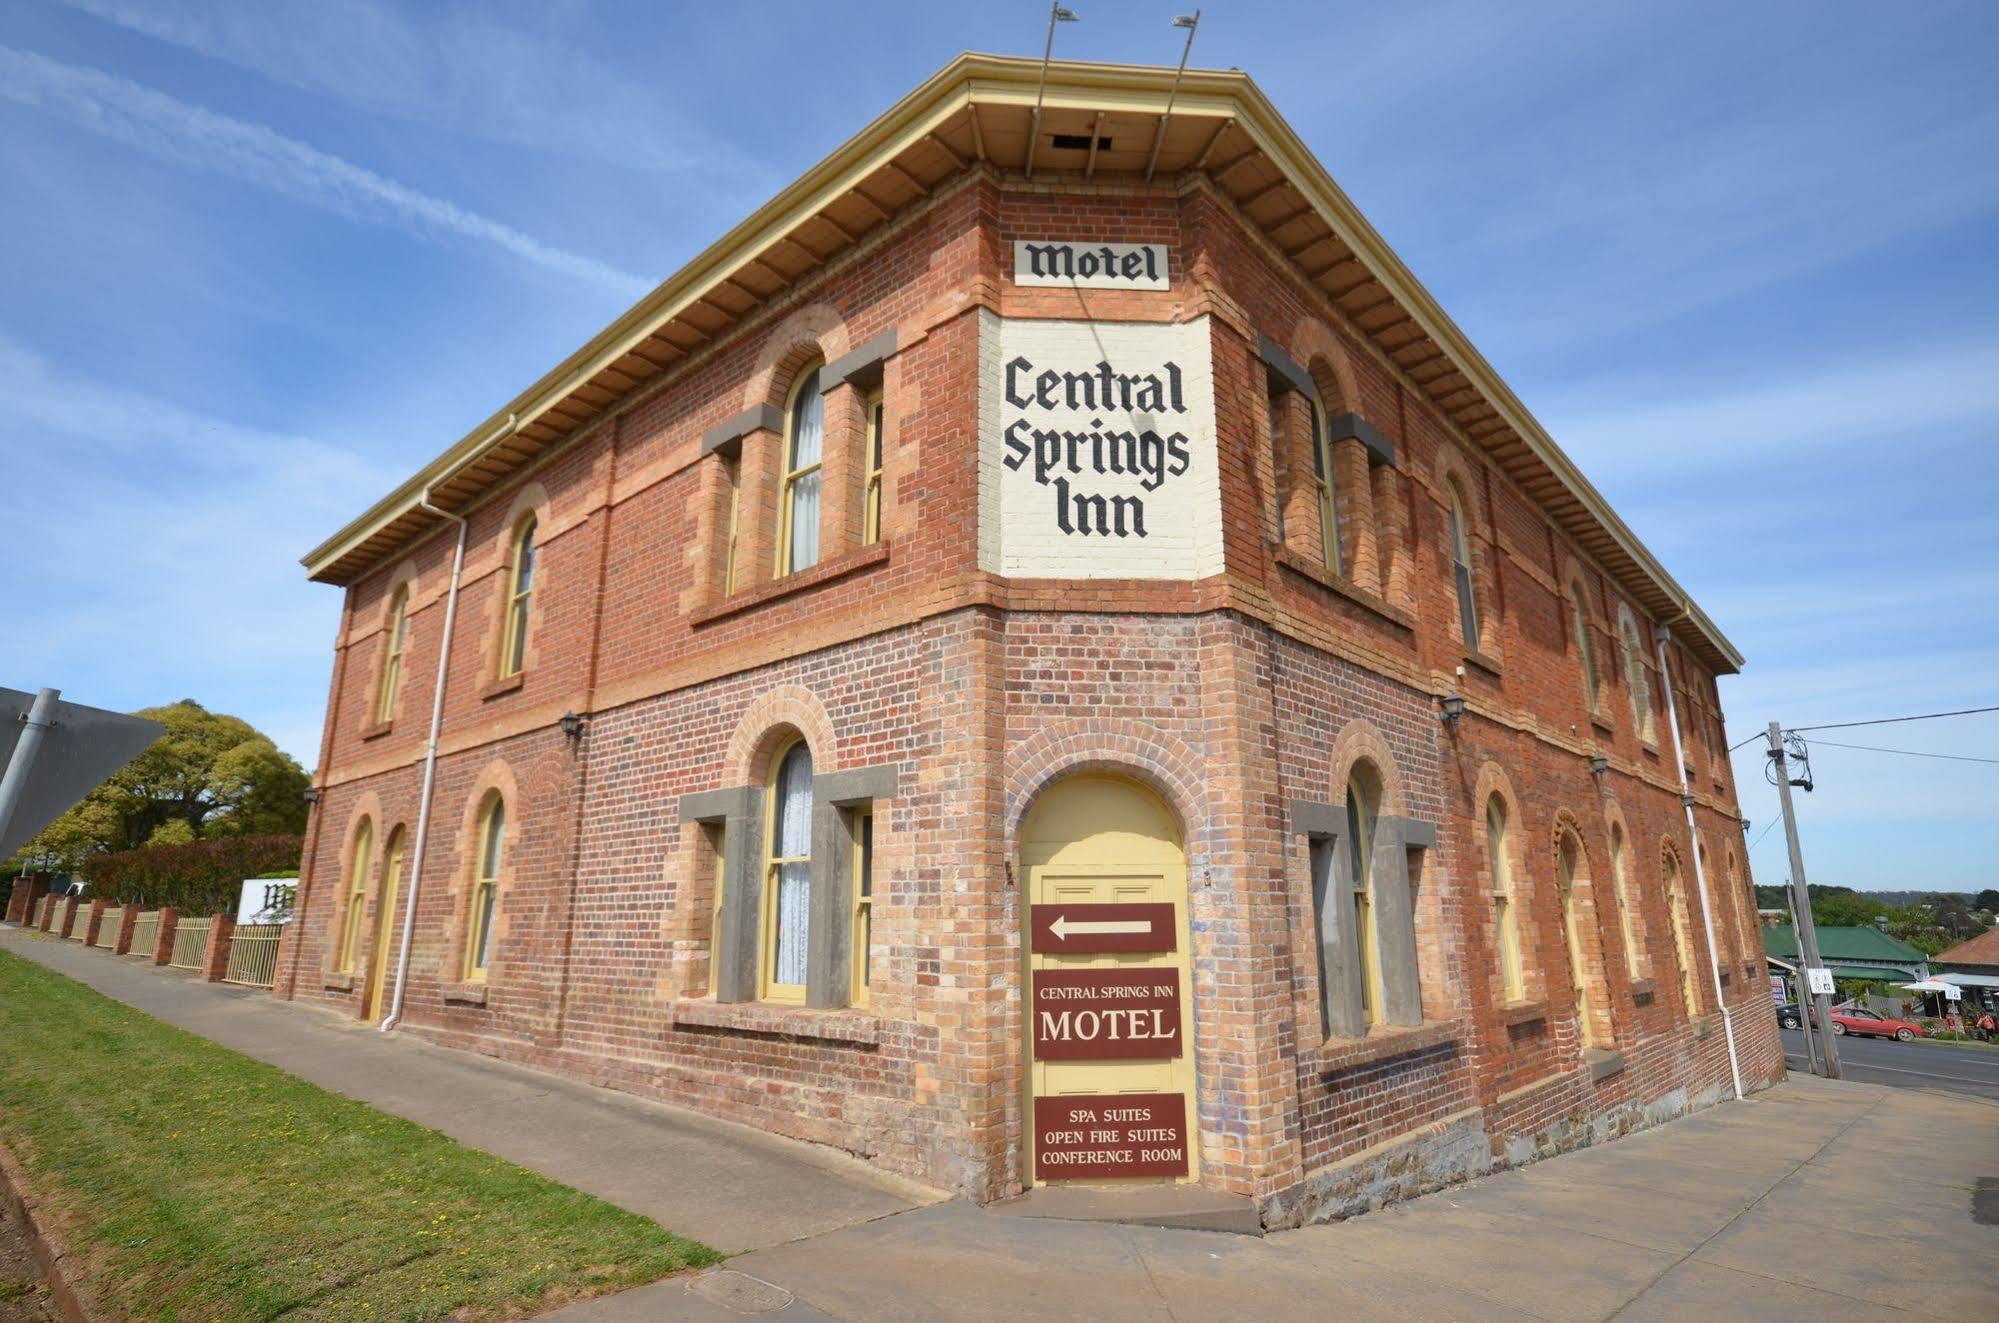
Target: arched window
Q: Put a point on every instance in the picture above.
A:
(1636, 679)
(486, 887)
(871, 475)
(520, 595)
(1683, 945)
(788, 876)
(1568, 868)
(1634, 962)
(1585, 649)
(1461, 571)
(733, 469)
(1363, 810)
(798, 495)
(1505, 917)
(392, 659)
(357, 896)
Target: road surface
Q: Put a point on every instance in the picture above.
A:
(1968, 1070)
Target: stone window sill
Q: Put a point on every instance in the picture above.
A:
(469, 993)
(1641, 989)
(758, 1017)
(337, 982)
(1485, 661)
(1305, 568)
(506, 684)
(376, 731)
(1522, 1012)
(824, 572)
(1604, 1062)
(1603, 723)
(1382, 1042)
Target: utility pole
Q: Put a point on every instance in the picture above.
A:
(1819, 1006)
(1804, 993)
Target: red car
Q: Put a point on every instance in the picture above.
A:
(1879, 1026)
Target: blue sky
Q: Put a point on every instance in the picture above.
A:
(262, 260)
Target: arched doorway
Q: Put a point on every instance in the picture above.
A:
(1109, 1032)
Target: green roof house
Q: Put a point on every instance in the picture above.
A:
(1853, 953)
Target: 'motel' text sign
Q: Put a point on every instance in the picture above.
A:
(1101, 929)
(1112, 1134)
(1089, 265)
(1107, 1014)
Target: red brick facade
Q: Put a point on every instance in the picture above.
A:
(1232, 696)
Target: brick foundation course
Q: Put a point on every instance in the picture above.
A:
(1231, 697)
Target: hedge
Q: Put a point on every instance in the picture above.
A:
(201, 877)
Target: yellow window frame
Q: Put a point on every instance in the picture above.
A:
(1506, 918)
(871, 481)
(768, 988)
(520, 599)
(861, 930)
(487, 870)
(732, 468)
(1361, 815)
(392, 660)
(808, 376)
(357, 897)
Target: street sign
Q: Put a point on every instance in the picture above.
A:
(78, 748)
(1819, 981)
(1102, 929)
(1110, 1134)
(1106, 1014)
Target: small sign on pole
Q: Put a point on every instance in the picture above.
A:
(1819, 981)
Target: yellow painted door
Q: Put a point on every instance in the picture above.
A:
(382, 949)
(1104, 840)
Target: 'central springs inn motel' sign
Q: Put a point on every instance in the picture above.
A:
(1097, 439)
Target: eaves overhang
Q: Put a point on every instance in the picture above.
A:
(978, 112)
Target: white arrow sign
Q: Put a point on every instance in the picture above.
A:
(1064, 925)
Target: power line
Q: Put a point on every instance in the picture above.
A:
(1889, 721)
(1761, 834)
(1907, 753)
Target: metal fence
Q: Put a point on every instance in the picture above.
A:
(107, 928)
(145, 935)
(253, 954)
(190, 943)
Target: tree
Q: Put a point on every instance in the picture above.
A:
(209, 775)
(1987, 900)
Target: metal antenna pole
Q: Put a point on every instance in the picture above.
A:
(1056, 14)
(1192, 23)
(14, 784)
(1820, 1005)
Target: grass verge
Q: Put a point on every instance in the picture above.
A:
(200, 1184)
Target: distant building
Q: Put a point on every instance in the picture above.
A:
(1973, 966)
(1857, 953)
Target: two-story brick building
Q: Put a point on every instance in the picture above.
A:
(1043, 655)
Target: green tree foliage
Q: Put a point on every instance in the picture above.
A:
(1987, 900)
(1931, 924)
(208, 776)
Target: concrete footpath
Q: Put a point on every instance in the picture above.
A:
(1814, 1200)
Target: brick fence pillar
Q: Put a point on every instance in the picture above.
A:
(221, 928)
(28, 889)
(128, 919)
(163, 948)
(94, 924)
(48, 919)
(67, 922)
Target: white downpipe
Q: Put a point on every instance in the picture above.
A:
(436, 724)
(1700, 874)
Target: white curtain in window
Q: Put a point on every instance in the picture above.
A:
(808, 428)
(794, 880)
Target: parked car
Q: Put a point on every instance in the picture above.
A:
(1789, 1016)
(1857, 1021)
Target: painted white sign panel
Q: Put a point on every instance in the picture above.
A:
(1044, 262)
(1097, 451)
(1819, 982)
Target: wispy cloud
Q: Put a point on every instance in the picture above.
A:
(446, 67)
(1688, 423)
(162, 559)
(196, 138)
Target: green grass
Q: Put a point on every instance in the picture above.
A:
(200, 1184)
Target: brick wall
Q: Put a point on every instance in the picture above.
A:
(1232, 695)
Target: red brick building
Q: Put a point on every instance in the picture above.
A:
(1030, 512)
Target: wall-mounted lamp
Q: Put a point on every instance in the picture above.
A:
(1453, 706)
(1598, 764)
(1745, 826)
(312, 794)
(572, 727)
